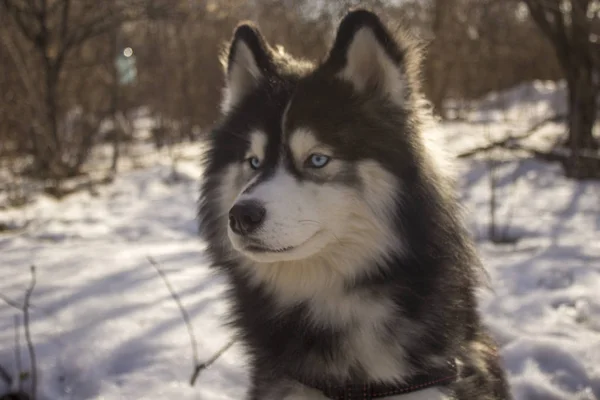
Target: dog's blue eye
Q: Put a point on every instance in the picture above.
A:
(254, 162)
(318, 160)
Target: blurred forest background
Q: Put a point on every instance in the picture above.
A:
(75, 73)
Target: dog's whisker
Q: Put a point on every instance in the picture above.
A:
(309, 221)
(335, 237)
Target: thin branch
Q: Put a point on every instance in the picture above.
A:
(504, 142)
(200, 367)
(551, 155)
(510, 213)
(550, 19)
(17, 15)
(42, 40)
(64, 21)
(100, 24)
(184, 314)
(30, 347)
(11, 302)
(18, 352)
(19, 59)
(5, 376)
(493, 203)
(14, 304)
(538, 13)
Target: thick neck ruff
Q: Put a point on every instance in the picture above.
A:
(366, 391)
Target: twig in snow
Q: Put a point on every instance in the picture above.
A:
(200, 367)
(514, 179)
(491, 162)
(30, 347)
(14, 304)
(510, 140)
(11, 302)
(5, 376)
(18, 352)
(493, 203)
(184, 314)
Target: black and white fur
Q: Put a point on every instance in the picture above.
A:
(360, 270)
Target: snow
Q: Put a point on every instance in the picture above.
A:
(531, 101)
(106, 327)
(103, 322)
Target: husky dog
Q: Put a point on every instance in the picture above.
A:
(351, 274)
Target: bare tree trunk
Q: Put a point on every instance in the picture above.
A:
(52, 106)
(569, 33)
(582, 109)
(581, 120)
(51, 66)
(437, 68)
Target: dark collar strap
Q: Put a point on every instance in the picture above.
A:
(367, 391)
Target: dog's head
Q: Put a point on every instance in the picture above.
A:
(312, 161)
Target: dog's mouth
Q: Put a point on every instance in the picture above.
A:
(257, 247)
(263, 249)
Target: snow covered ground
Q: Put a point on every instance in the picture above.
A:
(105, 326)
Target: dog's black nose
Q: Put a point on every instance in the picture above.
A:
(246, 216)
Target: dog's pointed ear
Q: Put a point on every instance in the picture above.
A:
(246, 62)
(365, 54)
